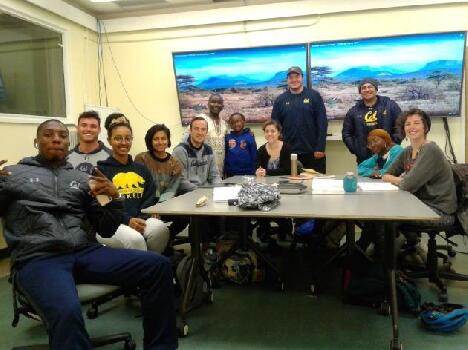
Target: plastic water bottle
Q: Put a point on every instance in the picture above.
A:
(350, 182)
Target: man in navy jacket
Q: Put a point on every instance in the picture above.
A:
(50, 216)
(302, 115)
(371, 112)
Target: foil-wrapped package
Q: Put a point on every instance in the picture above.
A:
(258, 196)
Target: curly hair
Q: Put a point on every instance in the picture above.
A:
(153, 130)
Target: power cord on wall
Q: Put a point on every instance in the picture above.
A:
(101, 71)
(118, 73)
(448, 142)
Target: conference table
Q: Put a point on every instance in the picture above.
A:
(387, 207)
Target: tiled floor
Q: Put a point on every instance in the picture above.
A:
(260, 317)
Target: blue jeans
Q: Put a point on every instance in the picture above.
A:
(50, 284)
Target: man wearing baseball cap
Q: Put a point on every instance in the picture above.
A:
(371, 112)
(301, 113)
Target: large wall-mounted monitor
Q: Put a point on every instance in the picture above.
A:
(249, 79)
(423, 71)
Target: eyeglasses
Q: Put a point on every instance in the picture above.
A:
(121, 139)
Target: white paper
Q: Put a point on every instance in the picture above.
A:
(327, 186)
(377, 186)
(223, 194)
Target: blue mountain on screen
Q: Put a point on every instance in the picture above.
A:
(351, 74)
(241, 81)
(226, 81)
(386, 73)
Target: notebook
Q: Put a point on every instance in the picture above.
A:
(223, 194)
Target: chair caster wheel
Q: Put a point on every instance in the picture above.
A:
(130, 345)
(384, 309)
(395, 345)
(210, 298)
(313, 289)
(183, 330)
(92, 313)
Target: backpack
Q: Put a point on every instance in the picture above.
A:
(241, 267)
(366, 284)
(199, 293)
(444, 318)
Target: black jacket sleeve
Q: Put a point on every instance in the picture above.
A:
(395, 112)
(348, 132)
(276, 113)
(322, 124)
(5, 196)
(262, 157)
(106, 219)
(148, 199)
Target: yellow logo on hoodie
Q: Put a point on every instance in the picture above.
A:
(130, 185)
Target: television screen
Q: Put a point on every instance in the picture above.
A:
(249, 79)
(423, 71)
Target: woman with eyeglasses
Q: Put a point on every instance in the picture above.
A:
(135, 183)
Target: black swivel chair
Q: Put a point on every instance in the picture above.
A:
(432, 270)
(89, 294)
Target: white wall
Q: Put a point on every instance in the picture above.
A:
(145, 62)
(80, 66)
(144, 59)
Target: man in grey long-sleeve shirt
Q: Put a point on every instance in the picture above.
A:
(197, 158)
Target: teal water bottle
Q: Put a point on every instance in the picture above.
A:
(350, 182)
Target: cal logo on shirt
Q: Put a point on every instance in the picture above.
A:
(306, 100)
(130, 185)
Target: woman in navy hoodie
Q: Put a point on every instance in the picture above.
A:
(241, 149)
(135, 183)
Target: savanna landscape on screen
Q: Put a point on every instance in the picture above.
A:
(424, 71)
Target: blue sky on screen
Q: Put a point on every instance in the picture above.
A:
(259, 63)
(398, 54)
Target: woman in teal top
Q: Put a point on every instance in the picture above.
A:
(384, 154)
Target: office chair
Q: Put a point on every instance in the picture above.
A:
(432, 270)
(88, 294)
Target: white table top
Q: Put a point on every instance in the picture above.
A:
(392, 206)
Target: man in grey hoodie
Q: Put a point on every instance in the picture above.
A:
(197, 158)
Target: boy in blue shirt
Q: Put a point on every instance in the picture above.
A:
(241, 149)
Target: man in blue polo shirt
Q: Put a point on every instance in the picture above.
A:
(301, 113)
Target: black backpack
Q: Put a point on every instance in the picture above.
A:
(460, 176)
(366, 283)
(199, 293)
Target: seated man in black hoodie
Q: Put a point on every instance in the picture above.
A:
(50, 214)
